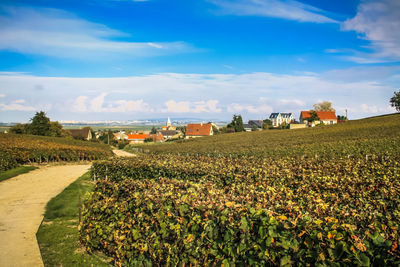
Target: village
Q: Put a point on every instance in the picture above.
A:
(169, 132)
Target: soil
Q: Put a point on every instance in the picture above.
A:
(23, 201)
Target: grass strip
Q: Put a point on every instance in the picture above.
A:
(16, 171)
(58, 234)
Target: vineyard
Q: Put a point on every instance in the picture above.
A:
(335, 201)
(23, 149)
(367, 136)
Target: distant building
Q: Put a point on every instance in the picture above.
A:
(120, 136)
(85, 133)
(198, 130)
(257, 123)
(325, 117)
(278, 118)
(157, 137)
(168, 126)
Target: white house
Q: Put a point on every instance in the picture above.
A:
(279, 118)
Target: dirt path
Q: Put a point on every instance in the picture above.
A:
(121, 153)
(22, 204)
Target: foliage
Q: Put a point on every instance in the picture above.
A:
(22, 149)
(341, 118)
(19, 128)
(323, 106)
(313, 116)
(237, 123)
(267, 123)
(395, 101)
(253, 211)
(40, 124)
(153, 130)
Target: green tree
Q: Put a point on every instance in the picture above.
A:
(237, 123)
(215, 129)
(40, 124)
(395, 101)
(153, 130)
(55, 129)
(19, 128)
(313, 117)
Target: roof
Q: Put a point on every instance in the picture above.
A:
(80, 132)
(138, 136)
(273, 115)
(158, 137)
(283, 115)
(258, 123)
(322, 115)
(198, 129)
(168, 132)
(246, 125)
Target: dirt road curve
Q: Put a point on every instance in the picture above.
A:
(22, 204)
(121, 153)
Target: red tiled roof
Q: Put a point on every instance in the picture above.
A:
(198, 129)
(322, 115)
(138, 136)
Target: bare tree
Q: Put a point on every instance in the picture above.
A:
(324, 106)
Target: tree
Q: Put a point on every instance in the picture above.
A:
(313, 116)
(40, 124)
(267, 123)
(237, 123)
(153, 130)
(395, 101)
(19, 128)
(215, 129)
(55, 129)
(324, 106)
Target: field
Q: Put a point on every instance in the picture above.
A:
(322, 196)
(24, 149)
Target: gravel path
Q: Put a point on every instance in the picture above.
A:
(23, 201)
(122, 153)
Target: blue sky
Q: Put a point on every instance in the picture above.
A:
(128, 60)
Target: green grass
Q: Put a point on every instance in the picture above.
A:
(16, 171)
(58, 234)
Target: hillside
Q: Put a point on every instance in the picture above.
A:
(21, 149)
(365, 136)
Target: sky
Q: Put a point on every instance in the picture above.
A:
(208, 59)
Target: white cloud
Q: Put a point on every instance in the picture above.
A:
(2, 95)
(17, 105)
(53, 32)
(209, 106)
(291, 10)
(378, 22)
(98, 104)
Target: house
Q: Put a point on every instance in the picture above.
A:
(120, 136)
(84, 134)
(247, 127)
(198, 130)
(137, 138)
(253, 125)
(157, 137)
(278, 118)
(325, 117)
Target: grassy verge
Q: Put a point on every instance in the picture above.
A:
(58, 234)
(16, 171)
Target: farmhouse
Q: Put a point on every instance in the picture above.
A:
(137, 138)
(198, 130)
(85, 133)
(325, 117)
(280, 118)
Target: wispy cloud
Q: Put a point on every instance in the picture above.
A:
(209, 106)
(379, 23)
(290, 10)
(17, 105)
(54, 32)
